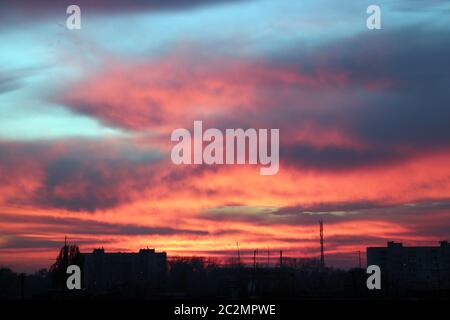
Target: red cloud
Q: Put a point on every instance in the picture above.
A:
(171, 91)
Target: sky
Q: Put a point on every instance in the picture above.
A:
(86, 118)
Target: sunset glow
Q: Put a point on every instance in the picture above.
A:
(86, 118)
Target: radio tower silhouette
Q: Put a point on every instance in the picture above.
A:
(322, 257)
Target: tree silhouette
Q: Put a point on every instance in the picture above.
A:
(68, 255)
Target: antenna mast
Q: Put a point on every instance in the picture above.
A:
(322, 257)
(239, 253)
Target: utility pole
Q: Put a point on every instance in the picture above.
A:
(239, 254)
(359, 258)
(322, 257)
(281, 258)
(22, 286)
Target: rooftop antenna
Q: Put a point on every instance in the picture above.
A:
(359, 257)
(239, 253)
(281, 258)
(322, 257)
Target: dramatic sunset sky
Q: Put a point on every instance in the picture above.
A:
(86, 118)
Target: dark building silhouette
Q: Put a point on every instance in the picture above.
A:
(104, 271)
(412, 268)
